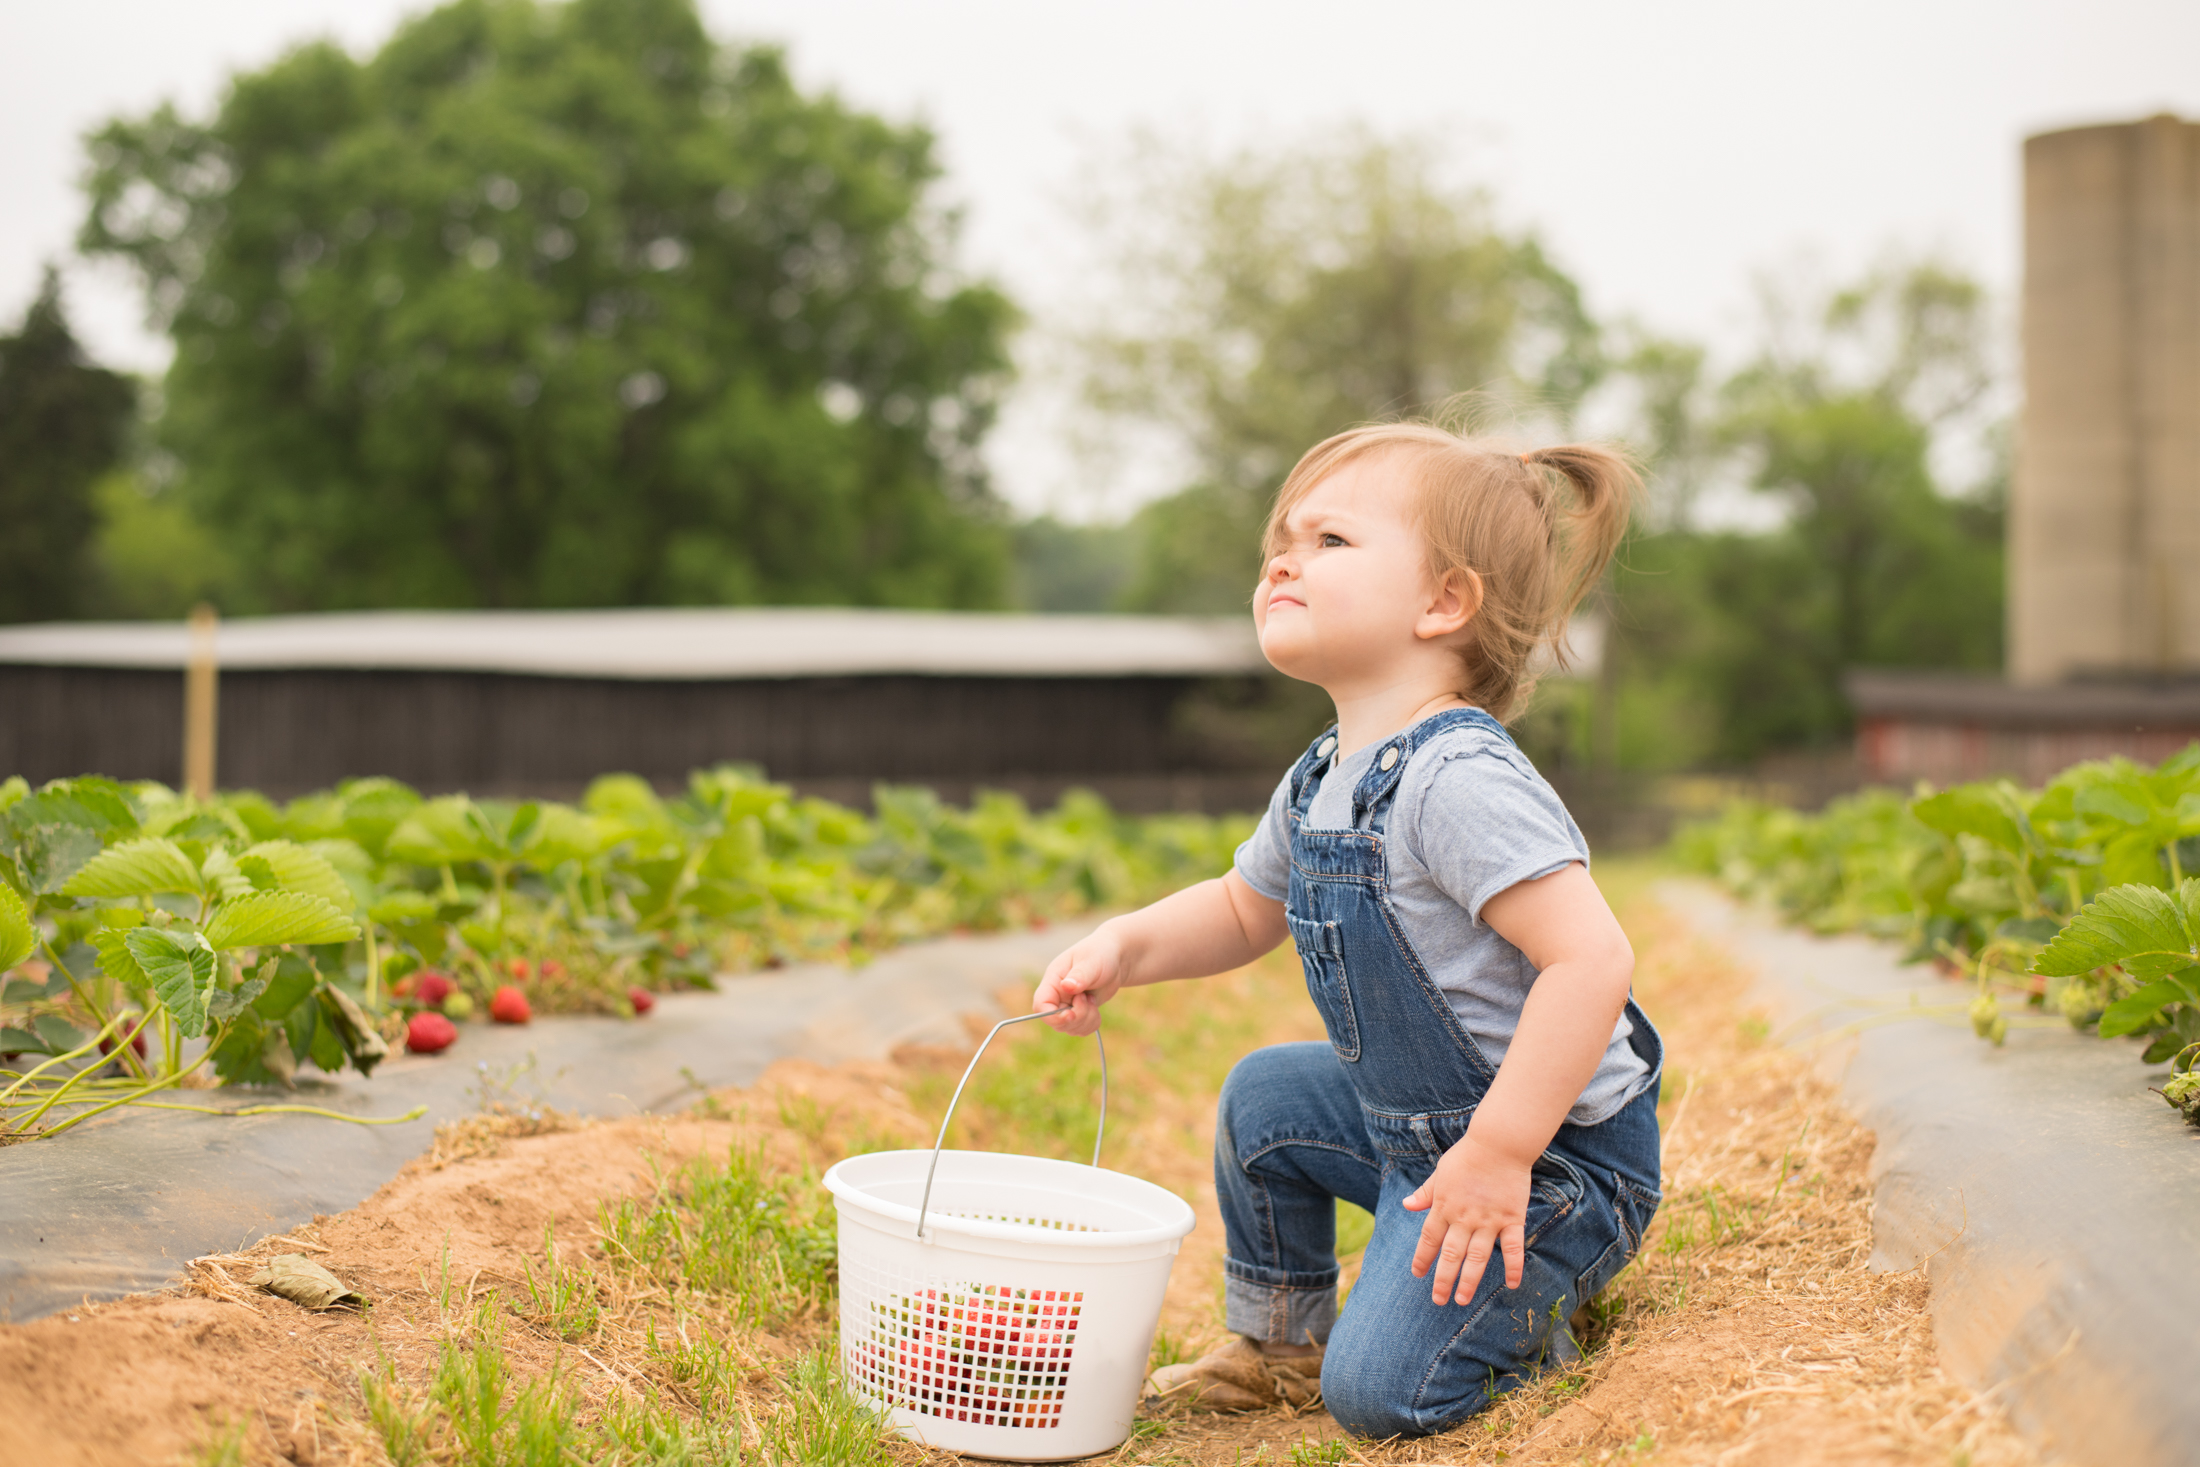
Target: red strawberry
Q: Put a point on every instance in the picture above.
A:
(137, 1040)
(430, 988)
(642, 999)
(403, 987)
(428, 1033)
(517, 967)
(552, 968)
(509, 1006)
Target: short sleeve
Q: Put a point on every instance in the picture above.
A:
(1264, 861)
(1482, 821)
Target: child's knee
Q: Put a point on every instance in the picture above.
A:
(1371, 1396)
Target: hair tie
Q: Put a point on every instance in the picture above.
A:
(1528, 457)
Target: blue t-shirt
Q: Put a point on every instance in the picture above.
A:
(1471, 818)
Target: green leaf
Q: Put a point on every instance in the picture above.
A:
(226, 1003)
(18, 934)
(180, 968)
(288, 986)
(60, 1035)
(113, 946)
(103, 803)
(561, 833)
(404, 907)
(325, 1046)
(444, 832)
(2123, 801)
(2137, 1011)
(372, 808)
(223, 876)
(137, 868)
(237, 1057)
(42, 849)
(1986, 811)
(294, 868)
(271, 918)
(2141, 927)
(300, 1023)
(2133, 859)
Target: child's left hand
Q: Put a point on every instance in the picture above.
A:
(1477, 1203)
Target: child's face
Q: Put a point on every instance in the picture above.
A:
(1349, 598)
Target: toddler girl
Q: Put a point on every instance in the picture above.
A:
(1489, 1088)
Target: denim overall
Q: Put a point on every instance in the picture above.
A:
(1365, 1118)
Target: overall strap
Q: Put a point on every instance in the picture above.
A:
(1304, 781)
(1381, 780)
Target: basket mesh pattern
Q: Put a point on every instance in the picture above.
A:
(987, 1354)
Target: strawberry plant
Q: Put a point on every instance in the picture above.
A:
(157, 921)
(2077, 898)
(238, 940)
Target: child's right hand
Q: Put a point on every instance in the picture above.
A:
(1083, 977)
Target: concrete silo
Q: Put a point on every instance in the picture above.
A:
(2104, 514)
(2104, 526)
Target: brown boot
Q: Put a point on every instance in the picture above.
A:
(1240, 1377)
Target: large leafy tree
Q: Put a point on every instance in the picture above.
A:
(1264, 300)
(63, 424)
(1735, 644)
(562, 305)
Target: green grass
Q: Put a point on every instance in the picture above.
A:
(475, 1412)
(1355, 1225)
(564, 1296)
(762, 1244)
(226, 1448)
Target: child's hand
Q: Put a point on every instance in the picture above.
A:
(1477, 1201)
(1084, 977)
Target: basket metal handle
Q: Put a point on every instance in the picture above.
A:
(924, 1207)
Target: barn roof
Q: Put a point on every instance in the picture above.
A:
(692, 644)
(1988, 702)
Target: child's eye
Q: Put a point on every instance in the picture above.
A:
(1329, 541)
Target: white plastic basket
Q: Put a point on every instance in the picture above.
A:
(1006, 1308)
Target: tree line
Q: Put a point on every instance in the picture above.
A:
(569, 304)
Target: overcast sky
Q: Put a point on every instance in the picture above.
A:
(1665, 152)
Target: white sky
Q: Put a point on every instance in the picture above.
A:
(1665, 152)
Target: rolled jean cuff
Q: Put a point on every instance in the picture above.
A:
(1279, 1307)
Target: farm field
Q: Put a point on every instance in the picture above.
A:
(2071, 903)
(161, 943)
(653, 1290)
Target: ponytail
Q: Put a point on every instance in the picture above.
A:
(1605, 484)
(1537, 528)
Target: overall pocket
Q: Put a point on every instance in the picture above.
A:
(1321, 953)
(1631, 1210)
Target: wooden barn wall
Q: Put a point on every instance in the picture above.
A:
(285, 732)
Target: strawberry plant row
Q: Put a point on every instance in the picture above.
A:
(2076, 899)
(151, 942)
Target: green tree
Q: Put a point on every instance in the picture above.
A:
(562, 305)
(1267, 299)
(1746, 637)
(63, 424)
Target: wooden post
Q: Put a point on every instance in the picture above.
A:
(201, 692)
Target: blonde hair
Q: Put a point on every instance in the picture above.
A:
(1489, 508)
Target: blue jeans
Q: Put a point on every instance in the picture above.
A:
(1366, 1117)
(1293, 1137)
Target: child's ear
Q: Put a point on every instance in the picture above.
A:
(1458, 596)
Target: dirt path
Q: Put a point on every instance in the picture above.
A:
(1749, 1332)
